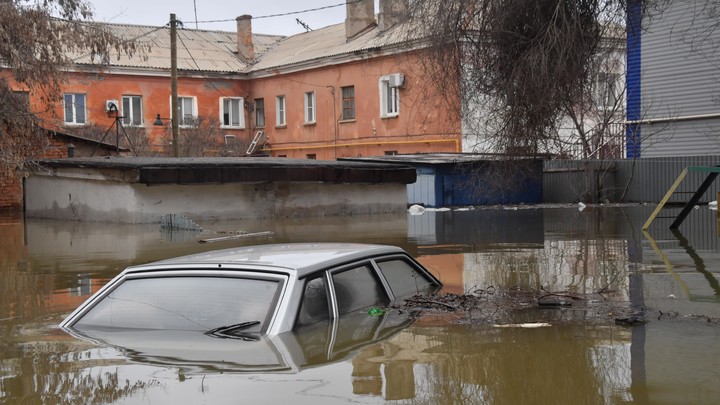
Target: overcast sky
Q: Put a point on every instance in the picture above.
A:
(157, 13)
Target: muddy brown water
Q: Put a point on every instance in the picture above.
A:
(597, 257)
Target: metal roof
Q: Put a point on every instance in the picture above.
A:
(303, 258)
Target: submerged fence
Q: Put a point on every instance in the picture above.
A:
(624, 180)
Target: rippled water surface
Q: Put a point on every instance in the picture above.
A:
(598, 254)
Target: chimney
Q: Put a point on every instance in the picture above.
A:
(391, 12)
(245, 47)
(360, 15)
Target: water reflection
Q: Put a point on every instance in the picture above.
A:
(47, 268)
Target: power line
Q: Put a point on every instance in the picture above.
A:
(202, 72)
(284, 14)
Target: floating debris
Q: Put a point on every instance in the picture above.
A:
(178, 222)
(530, 325)
(374, 311)
(630, 321)
(237, 236)
(416, 210)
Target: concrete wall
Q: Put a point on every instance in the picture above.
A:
(88, 199)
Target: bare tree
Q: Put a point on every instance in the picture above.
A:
(36, 39)
(518, 66)
(199, 136)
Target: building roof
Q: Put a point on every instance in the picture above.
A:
(436, 158)
(326, 42)
(216, 51)
(197, 50)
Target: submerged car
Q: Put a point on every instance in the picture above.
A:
(250, 292)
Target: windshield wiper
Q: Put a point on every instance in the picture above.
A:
(233, 331)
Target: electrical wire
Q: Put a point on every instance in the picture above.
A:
(284, 14)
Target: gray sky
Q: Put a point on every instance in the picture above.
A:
(157, 12)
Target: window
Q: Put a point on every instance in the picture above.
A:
(404, 279)
(348, 103)
(132, 111)
(231, 112)
(187, 111)
(74, 106)
(259, 112)
(185, 303)
(314, 305)
(310, 107)
(357, 289)
(389, 97)
(311, 156)
(280, 111)
(607, 90)
(23, 98)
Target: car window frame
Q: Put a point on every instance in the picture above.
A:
(373, 262)
(332, 324)
(199, 272)
(407, 259)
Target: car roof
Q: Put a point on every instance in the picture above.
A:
(302, 258)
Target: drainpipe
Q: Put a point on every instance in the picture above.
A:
(335, 119)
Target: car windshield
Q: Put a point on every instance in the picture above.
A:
(186, 303)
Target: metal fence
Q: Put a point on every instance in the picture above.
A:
(624, 180)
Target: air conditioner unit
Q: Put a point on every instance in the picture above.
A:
(396, 80)
(112, 105)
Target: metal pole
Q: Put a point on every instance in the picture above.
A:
(174, 119)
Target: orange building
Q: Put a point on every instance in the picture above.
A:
(351, 89)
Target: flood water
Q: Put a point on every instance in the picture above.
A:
(47, 268)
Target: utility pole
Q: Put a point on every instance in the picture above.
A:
(174, 119)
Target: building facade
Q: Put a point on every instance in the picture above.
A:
(350, 89)
(672, 80)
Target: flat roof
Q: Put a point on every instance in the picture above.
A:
(166, 170)
(437, 158)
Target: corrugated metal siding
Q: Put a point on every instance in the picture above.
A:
(679, 79)
(423, 190)
(686, 138)
(640, 180)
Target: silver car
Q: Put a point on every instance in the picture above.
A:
(249, 292)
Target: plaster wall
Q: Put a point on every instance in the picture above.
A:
(155, 92)
(110, 201)
(424, 124)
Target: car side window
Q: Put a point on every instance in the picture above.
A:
(404, 279)
(358, 288)
(314, 305)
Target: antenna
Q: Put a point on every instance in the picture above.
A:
(307, 27)
(195, 7)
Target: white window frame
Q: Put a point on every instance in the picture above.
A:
(280, 111)
(73, 120)
(389, 98)
(240, 111)
(181, 113)
(129, 113)
(310, 107)
(607, 90)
